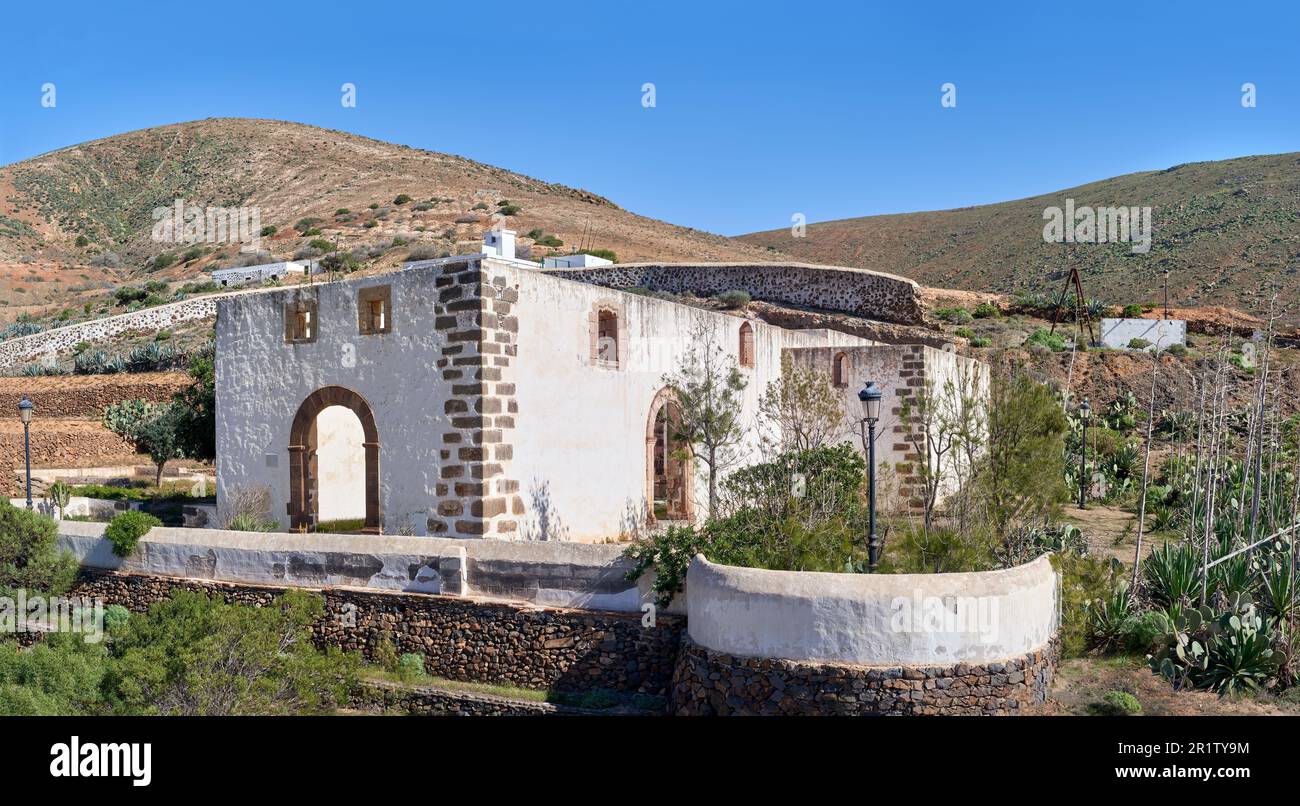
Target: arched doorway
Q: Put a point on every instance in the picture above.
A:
(304, 472)
(670, 476)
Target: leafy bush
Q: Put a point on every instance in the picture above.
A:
(162, 261)
(116, 617)
(1052, 341)
(1138, 344)
(198, 656)
(981, 341)
(126, 529)
(385, 655)
(269, 230)
(734, 299)
(1132, 311)
(508, 209)
(410, 666)
(1119, 703)
(29, 556)
(955, 316)
(986, 310)
(799, 512)
(1085, 581)
(607, 254)
(321, 244)
(402, 198)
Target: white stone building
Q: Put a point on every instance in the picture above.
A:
(243, 275)
(474, 397)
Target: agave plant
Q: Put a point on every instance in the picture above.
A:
(1173, 576)
(1108, 618)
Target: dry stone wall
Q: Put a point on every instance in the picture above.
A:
(460, 639)
(872, 295)
(713, 683)
(148, 320)
(87, 395)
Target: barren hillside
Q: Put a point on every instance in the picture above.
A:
(63, 213)
(1228, 232)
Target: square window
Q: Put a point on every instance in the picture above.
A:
(300, 322)
(375, 310)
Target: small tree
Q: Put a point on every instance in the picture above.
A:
(1021, 479)
(708, 386)
(800, 409)
(150, 428)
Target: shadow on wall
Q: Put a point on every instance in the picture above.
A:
(633, 523)
(545, 522)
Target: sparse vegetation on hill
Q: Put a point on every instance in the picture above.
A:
(1226, 232)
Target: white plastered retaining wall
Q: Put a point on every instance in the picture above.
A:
(159, 317)
(873, 620)
(547, 574)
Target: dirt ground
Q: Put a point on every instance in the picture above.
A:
(1081, 683)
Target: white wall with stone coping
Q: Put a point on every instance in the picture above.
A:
(546, 574)
(868, 619)
(159, 317)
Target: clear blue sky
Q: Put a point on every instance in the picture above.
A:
(762, 110)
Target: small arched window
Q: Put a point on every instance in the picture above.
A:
(839, 370)
(608, 332)
(746, 345)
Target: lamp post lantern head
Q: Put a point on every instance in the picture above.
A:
(870, 397)
(1085, 409)
(25, 410)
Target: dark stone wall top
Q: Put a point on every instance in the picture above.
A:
(872, 295)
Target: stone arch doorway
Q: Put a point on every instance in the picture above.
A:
(304, 491)
(670, 479)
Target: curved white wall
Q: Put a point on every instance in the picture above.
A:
(876, 620)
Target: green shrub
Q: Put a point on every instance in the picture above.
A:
(986, 310)
(410, 666)
(1052, 341)
(29, 555)
(1118, 703)
(269, 230)
(402, 198)
(82, 240)
(956, 316)
(734, 299)
(162, 261)
(1177, 350)
(964, 332)
(1138, 344)
(1133, 311)
(246, 522)
(385, 655)
(321, 244)
(607, 254)
(508, 209)
(126, 529)
(116, 617)
(1085, 582)
(981, 341)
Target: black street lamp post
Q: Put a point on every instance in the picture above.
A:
(870, 399)
(25, 413)
(1084, 411)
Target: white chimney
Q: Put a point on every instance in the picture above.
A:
(499, 243)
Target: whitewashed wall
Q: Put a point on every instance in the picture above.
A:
(579, 445)
(873, 619)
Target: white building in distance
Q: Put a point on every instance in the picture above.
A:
(243, 275)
